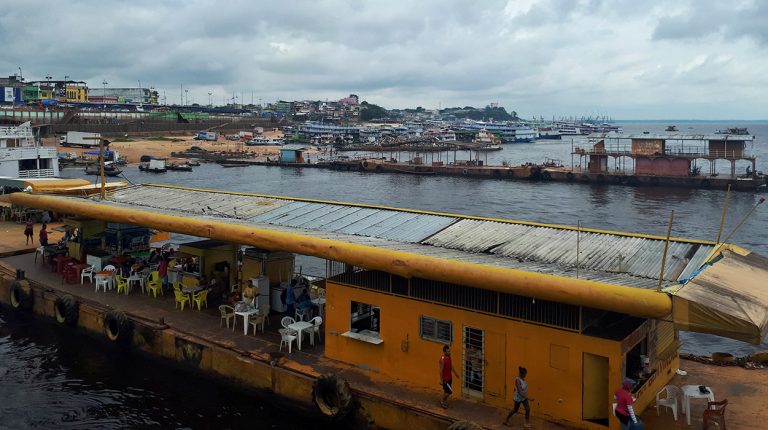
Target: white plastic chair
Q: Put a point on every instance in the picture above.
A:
(104, 282)
(285, 322)
(300, 314)
(41, 251)
(672, 394)
(316, 322)
(227, 313)
(113, 269)
(287, 336)
(86, 273)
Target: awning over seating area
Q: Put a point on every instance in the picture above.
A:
(728, 298)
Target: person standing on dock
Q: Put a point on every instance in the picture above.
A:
(44, 235)
(162, 271)
(446, 369)
(624, 410)
(521, 398)
(29, 231)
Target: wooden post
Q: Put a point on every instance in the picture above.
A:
(725, 210)
(666, 248)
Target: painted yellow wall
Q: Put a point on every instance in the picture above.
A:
(76, 93)
(557, 392)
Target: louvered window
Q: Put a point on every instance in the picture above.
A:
(435, 329)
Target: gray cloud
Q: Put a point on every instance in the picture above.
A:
(557, 57)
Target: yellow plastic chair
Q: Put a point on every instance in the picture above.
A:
(181, 298)
(122, 284)
(155, 286)
(200, 298)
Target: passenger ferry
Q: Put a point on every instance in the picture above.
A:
(509, 133)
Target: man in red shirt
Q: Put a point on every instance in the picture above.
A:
(446, 368)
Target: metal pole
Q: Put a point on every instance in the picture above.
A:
(666, 248)
(101, 166)
(725, 209)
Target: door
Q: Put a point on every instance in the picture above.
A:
(495, 364)
(595, 389)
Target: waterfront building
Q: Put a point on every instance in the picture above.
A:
(581, 309)
(125, 95)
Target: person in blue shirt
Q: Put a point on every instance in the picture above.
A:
(304, 302)
(290, 298)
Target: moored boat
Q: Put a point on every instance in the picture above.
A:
(109, 170)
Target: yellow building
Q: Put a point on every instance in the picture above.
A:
(579, 308)
(76, 92)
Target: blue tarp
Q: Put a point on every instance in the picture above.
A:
(49, 102)
(107, 153)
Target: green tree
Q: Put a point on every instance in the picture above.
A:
(369, 111)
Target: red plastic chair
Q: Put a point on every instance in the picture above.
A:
(715, 413)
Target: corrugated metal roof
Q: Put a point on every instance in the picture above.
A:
(604, 257)
(636, 256)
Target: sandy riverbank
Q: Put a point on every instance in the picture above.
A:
(162, 147)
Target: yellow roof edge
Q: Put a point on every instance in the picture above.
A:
(471, 217)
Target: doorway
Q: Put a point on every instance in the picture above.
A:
(484, 363)
(594, 384)
(473, 354)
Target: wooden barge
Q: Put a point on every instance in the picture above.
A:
(580, 308)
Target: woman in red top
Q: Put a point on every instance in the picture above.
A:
(446, 368)
(29, 231)
(624, 410)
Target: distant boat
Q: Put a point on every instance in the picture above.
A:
(671, 128)
(735, 130)
(109, 170)
(179, 167)
(153, 166)
(232, 165)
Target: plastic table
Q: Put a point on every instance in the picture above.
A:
(692, 392)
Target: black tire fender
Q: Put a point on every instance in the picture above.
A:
(332, 396)
(464, 172)
(545, 175)
(364, 164)
(66, 310)
(21, 295)
(118, 327)
(464, 425)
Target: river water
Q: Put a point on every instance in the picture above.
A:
(59, 379)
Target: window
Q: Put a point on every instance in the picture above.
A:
(365, 319)
(435, 329)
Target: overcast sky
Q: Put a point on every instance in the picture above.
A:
(625, 59)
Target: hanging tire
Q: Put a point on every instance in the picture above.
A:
(332, 396)
(67, 310)
(545, 175)
(364, 164)
(464, 172)
(21, 295)
(118, 327)
(464, 425)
